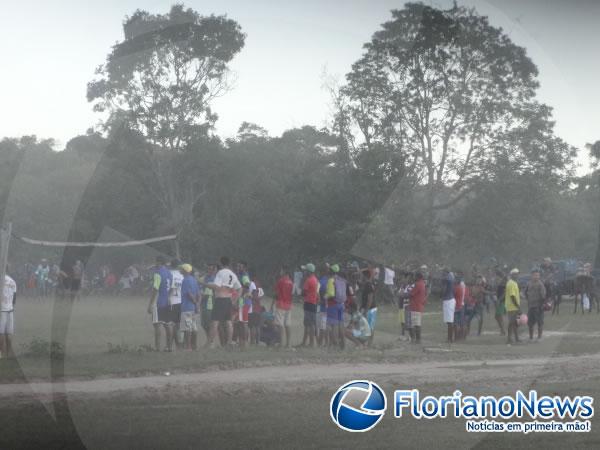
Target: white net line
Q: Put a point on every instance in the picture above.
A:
(94, 244)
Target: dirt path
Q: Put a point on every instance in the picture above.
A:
(293, 378)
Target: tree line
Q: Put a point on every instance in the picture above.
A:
(437, 150)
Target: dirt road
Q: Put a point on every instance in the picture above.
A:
(293, 378)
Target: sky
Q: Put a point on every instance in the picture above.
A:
(51, 48)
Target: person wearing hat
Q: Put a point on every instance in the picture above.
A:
(310, 293)
(512, 301)
(190, 298)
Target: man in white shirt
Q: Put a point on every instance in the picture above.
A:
(7, 306)
(226, 287)
(388, 283)
(175, 300)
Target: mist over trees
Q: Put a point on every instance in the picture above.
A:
(437, 150)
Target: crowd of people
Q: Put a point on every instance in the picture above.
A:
(230, 306)
(48, 278)
(339, 302)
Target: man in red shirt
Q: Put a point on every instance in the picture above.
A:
(418, 298)
(310, 292)
(283, 305)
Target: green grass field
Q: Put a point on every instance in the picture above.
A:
(261, 416)
(96, 324)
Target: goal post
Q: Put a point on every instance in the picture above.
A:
(5, 234)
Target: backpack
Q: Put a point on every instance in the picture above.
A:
(340, 290)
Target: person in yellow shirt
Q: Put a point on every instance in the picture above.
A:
(512, 301)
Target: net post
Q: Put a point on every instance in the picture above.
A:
(4, 241)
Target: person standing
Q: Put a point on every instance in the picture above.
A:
(190, 298)
(337, 288)
(310, 291)
(418, 299)
(226, 286)
(41, 278)
(389, 275)
(7, 324)
(535, 293)
(206, 304)
(448, 301)
(512, 300)
(282, 305)
(159, 304)
(175, 300)
(500, 297)
(460, 291)
(547, 275)
(475, 301)
(76, 280)
(368, 305)
(322, 339)
(255, 318)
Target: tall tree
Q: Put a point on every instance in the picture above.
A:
(159, 82)
(446, 96)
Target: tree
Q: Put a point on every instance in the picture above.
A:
(163, 76)
(159, 82)
(447, 98)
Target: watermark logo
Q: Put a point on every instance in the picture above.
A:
(358, 406)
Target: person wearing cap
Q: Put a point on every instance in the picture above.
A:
(190, 298)
(310, 293)
(159, 304)
(512, 301)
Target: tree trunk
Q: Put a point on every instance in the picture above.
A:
(597, 259)
(176, 248)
